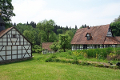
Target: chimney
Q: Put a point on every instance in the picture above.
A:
(2, 23)
(88, 27)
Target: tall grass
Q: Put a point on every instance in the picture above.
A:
(100, 52)
(89, 53)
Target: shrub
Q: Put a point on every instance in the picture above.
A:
(49, 59)
(36, 49)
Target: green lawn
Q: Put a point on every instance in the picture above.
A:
(38, 69)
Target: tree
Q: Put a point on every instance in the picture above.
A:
(29, 35)
(117, 19)
(7, 11)
(46, 26)
(115, 26)
(33, 24)
(63, 41)
(54, 46)
(76, 27)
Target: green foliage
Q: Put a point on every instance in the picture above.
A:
(36, 49)
(46, 26)
(29, 35)
(39, 69)
(45, 31)
(50, 58)
(63, 41)
(7, 11)
(54, 46)
(116, 27)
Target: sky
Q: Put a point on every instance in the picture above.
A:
(67, 12)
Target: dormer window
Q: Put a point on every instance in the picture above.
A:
(88, 35)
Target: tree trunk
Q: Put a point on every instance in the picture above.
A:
(64, 49)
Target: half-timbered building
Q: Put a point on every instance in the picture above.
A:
(13, 45)
(94, 37)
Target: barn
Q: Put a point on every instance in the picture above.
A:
(13, 45)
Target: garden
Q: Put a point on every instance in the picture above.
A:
(105, 57)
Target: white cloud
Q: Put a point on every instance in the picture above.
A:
(27, 9)
(36, 10)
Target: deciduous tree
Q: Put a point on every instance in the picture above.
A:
(7, 11)
(63, 41)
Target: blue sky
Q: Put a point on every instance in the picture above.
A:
(67, 12)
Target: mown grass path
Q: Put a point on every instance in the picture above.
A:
(38, 69)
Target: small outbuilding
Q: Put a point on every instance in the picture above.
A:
(13, 45)
(46, 47)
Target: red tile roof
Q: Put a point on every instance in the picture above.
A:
(98, 34)
(111, 40)
(4, 31)
(46, 45)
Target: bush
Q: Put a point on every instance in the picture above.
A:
(36, 49)
(50, 58)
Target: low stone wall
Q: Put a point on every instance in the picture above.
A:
(114, 57)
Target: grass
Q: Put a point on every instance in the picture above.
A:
(38, 69)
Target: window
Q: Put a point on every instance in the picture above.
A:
(88, 35)
(109, 30)
(95, 46)
(13, 35)
(85, 46)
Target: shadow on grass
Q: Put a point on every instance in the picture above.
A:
(16, 61)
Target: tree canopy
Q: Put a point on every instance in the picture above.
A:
(7, 11)
(116, 27)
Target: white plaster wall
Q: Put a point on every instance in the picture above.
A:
(27, 56)
(14, 52)
(14, 56)
(9, 43)
(26, 47)
(3, 57)
(19, 56)
(1, 47)
(8, 52)
(8, 47)
(72, 47)
(4, 43)
(0, 59)
(9, 32)
(29, 51)
(13, 31)
(24, 51)
(2, 53)
(4, 36)
(17, 43)
(4, 39)
(17, 32)
(14, 47)
(19, 52)
(25, 42)
(8, 57)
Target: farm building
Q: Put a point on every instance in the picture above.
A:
(94, 37)
(13, 45)
(46, 47)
